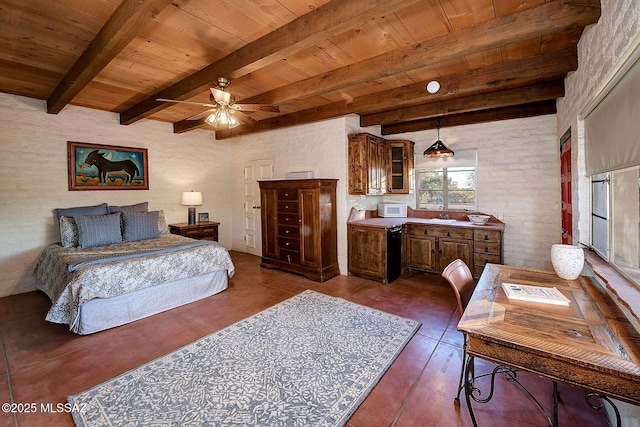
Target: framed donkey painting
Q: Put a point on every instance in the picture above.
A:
(107, 167)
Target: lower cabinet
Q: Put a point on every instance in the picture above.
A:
(432, 247)
(367, 252)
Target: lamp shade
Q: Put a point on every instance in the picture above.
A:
(192, 198)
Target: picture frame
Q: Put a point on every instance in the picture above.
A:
(106, 167)
(203, 217)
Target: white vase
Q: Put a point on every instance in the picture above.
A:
(567, 261)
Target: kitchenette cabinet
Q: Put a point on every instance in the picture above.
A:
(426, 244)
(299, 230)
(378, 166)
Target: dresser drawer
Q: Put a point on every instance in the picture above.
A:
(288, 206)
(288, 219)
(289, 244)
(487, 247)
(486, 235)
(287, 194)
(292, 232)
(291, 257)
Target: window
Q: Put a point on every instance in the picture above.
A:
(615, 229)
(449, 188)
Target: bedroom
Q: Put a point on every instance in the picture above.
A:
(33, 165)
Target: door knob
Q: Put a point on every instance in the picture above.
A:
(256, 207)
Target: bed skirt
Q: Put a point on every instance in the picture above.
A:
(100, 314)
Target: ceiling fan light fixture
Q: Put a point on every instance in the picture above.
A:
(438, 148)
(222, 117)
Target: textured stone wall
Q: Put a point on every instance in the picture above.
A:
(33, 173)
(517, 180)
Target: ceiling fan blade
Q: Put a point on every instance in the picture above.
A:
(220, 95)
(201, 115)
(244, 118)
(256, 107)
(186, 102)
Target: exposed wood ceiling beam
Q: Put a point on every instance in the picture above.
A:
(510, 97)
(322, 23)
(505, 75)
(503, 113)
(551, 66)
(126, 22)
(549, 18)
(522, 95)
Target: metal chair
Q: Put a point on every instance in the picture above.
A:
(461, 280)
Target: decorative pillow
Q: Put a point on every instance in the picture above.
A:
(163, 228)
(100, 209)
(68, 232)
(98, 230)
(140, 225)
(139, 207)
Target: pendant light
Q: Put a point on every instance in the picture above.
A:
(438, 149)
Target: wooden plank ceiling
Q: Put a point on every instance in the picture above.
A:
(316, 59)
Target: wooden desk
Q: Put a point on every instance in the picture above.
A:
(589, 344)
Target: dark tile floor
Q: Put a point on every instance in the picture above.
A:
(44, 363)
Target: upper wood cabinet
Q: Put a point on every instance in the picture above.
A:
(400, 167)
(378, 166)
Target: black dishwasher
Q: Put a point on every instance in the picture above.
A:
(394, 253)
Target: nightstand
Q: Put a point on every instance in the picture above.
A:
(200, 230)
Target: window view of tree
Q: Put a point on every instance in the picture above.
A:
(447, 188)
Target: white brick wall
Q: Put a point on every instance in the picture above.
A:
(517, 178)
(33, 172)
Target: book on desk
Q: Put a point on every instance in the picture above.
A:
(539, 294)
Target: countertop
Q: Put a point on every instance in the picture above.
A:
(394, 222)
(371, 219)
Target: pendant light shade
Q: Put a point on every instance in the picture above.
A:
(438, 148)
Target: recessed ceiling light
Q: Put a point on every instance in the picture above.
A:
(433, 86)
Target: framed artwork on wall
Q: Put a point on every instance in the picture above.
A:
(107, 167)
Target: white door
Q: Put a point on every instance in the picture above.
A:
(254, 170)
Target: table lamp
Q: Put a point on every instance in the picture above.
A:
(191, 199)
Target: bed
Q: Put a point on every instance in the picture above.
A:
(98, 279)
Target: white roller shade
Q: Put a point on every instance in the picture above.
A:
(612, 127)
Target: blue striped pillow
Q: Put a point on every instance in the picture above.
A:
(98, 230)
(140, 225)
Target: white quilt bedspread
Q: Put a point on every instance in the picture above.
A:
(68, 290)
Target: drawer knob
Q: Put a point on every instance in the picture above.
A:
(486, 249)
(286, 232)
(286, 206)
(486, 237)
(448, 234)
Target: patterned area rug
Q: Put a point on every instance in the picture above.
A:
(307, 361)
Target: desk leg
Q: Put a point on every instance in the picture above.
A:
(598, 406)
(468, 386)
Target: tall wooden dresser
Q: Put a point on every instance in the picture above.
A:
(299, 227)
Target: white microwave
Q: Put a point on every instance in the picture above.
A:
(392, 210)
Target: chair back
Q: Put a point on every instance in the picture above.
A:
(461, 280)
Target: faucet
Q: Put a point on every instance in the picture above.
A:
(442, 214)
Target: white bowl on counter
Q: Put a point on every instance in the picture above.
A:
(478, 219)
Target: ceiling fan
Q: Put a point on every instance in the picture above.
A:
(223, 110)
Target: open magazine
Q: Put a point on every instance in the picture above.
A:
(534, 294)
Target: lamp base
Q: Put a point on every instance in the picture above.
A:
(192, 216)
